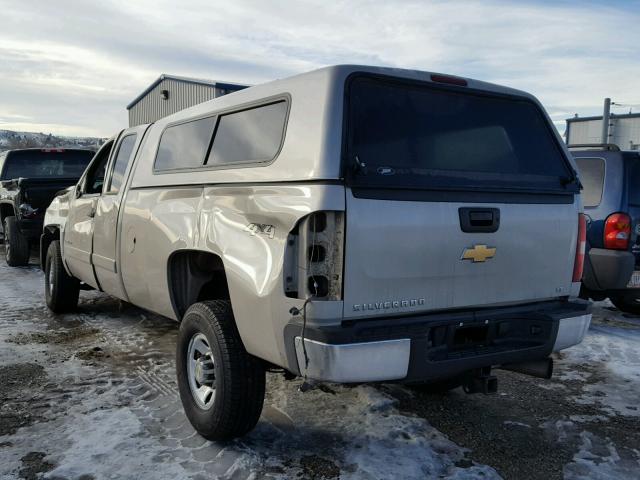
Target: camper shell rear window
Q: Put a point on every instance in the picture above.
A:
(417, 135)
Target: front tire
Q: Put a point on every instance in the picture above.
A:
(627, 303)
(61, 289)
(221, 386)
(16, 245)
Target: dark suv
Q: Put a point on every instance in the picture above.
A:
(611, 198)
(29, 180)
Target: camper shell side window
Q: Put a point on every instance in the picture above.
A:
(249, 136)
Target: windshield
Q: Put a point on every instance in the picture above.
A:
(46, 163)
(412, 135)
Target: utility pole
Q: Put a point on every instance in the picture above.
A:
(606, 117)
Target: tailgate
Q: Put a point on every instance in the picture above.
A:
(39, 192)
(408, 256)
(420, 153)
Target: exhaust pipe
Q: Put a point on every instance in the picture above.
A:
(535, 368)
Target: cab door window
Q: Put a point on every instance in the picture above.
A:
(119, 166)
(95, 175)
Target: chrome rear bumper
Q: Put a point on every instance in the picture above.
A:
(571, 331)
(354, 362)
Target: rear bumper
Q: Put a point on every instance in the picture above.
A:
(571, 331)
(607, 269)
(355, 362)
(435, 346)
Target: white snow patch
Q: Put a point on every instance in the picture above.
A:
(572, 375)
(361, 431)
(599, 460)
(511, 423)
(615, 351)
(108, 443)
(589, 418)
(392, 445)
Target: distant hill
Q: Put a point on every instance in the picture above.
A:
(10, 140)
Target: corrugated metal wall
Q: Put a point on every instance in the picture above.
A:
(588, 131)
(181, 95)
(624, 132)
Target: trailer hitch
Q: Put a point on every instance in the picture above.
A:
(481, 381)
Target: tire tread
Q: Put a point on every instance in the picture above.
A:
(627, 303)
(67, 288)
(17, 243)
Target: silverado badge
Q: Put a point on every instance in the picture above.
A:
(479, 253)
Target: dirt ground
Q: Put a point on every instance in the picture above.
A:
(92, 395)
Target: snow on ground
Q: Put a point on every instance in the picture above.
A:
(362, 428)
(611, 353)
(609, 359)
(93, 395)
(106, 406)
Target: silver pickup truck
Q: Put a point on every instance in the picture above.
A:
(351, 224)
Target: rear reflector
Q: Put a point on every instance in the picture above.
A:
(617, 231)
(581, 246)
(450, 80)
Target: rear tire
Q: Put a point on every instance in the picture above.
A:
(16, 245)
(627, 303)
(61, 289)
(221, 386)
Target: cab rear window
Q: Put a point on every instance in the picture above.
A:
(406, 134)
(591, 172)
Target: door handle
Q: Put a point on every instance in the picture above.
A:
(485, 220)
(92, 212)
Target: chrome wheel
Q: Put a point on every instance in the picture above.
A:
(200, 370)
(7, 243)
(51, 279)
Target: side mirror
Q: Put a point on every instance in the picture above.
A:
(78, 191)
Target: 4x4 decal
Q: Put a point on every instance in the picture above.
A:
(261, 229)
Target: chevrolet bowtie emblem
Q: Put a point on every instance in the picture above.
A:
(479, 253)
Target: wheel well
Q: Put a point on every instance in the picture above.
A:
(6, 210)
(49, 234)
(195, 276)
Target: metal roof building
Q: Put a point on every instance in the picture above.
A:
(170, 94)
(623, 130)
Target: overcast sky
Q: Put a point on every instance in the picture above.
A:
(71, 67)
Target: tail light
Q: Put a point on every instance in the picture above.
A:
(449, 79)
(581, 246)
(313, 263)
(617, 231)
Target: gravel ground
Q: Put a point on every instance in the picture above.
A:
(93, 395)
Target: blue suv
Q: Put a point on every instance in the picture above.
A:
(611, 198)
